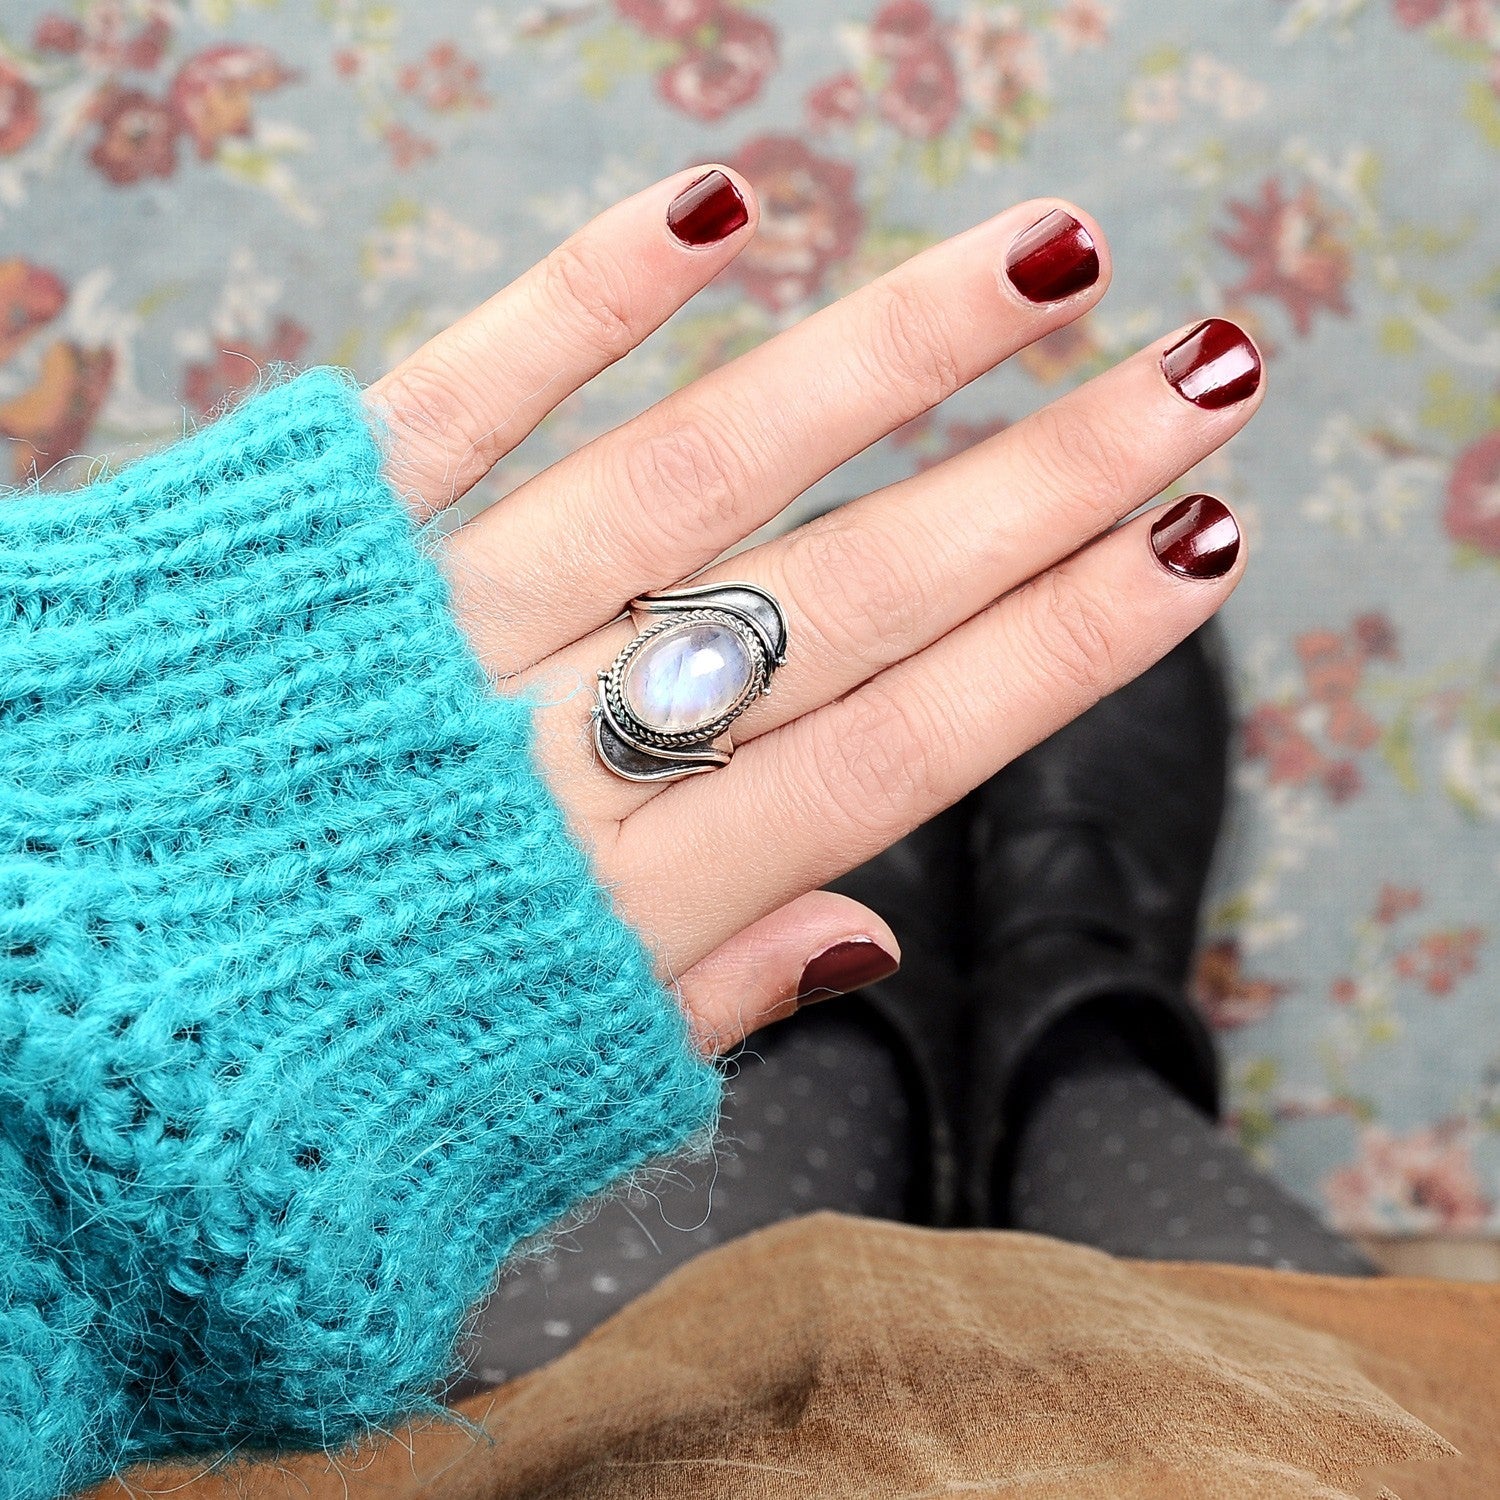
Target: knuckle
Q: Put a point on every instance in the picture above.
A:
(1086, 458)
(875, 763)
(593, 290)
(857, 591)
(687, 478)
(1076, 632)
(912, 350)
(422, 398)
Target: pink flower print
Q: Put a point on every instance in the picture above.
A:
(1425, 1180)
(20, 109)
(1395, 902)
(708, 82)
(209, 384)
(1293, 251)
(137, 135)
(836, 101)
(445, 81)
(30, 297)
(810, 220)
(998, 63)
(1472, 514)
(213, 93)
(670, 20)
(1082, 23)
(921, 96)
(902, 28)
(51, 421)
(1438, 961)
(1414, 13)
(1231, 998)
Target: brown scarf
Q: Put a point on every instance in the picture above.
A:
(832, 1358)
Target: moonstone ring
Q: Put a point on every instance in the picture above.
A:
(703, 657)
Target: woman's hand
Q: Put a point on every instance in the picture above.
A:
(939, 627)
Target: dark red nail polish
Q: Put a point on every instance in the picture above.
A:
(1215, 365)
(844, 967)
(1053, 259)
(1197, 538)
(707, 211)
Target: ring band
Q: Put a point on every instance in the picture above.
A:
(701, 659)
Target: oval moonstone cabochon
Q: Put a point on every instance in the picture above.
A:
(687, 677)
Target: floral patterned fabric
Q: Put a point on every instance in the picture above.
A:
(190, 189)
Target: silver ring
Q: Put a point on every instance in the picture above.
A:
(667, 700)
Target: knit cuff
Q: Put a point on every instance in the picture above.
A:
(310, 1008)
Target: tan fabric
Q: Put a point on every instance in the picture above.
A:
(834, 1357)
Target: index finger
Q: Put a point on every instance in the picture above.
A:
(471, 394)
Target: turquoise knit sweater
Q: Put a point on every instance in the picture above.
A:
(309, 1007)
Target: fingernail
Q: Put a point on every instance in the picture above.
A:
(707, 211)
(846, 966)
(1053, 259)
(1197, 538)
(1215, 365)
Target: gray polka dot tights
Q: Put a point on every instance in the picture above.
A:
(1110, 1156)
(817, 1118)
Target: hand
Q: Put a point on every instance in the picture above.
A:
(939, 626)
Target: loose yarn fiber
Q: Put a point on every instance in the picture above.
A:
(310, 1009)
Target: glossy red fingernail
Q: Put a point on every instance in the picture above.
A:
(1053, 259)
(1197, 538)
(1215, 365)
(707, 211)
(846, 966)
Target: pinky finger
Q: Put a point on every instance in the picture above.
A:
(819, 945)
(822, 794)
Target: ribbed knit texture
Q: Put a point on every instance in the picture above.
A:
(309, 1007)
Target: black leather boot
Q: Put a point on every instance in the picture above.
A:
(922, 887)
(1089, 859)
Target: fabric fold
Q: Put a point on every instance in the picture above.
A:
(851, 1359)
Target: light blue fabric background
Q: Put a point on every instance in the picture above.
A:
(336, 182)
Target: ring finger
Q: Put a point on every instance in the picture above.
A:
(883, 577)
